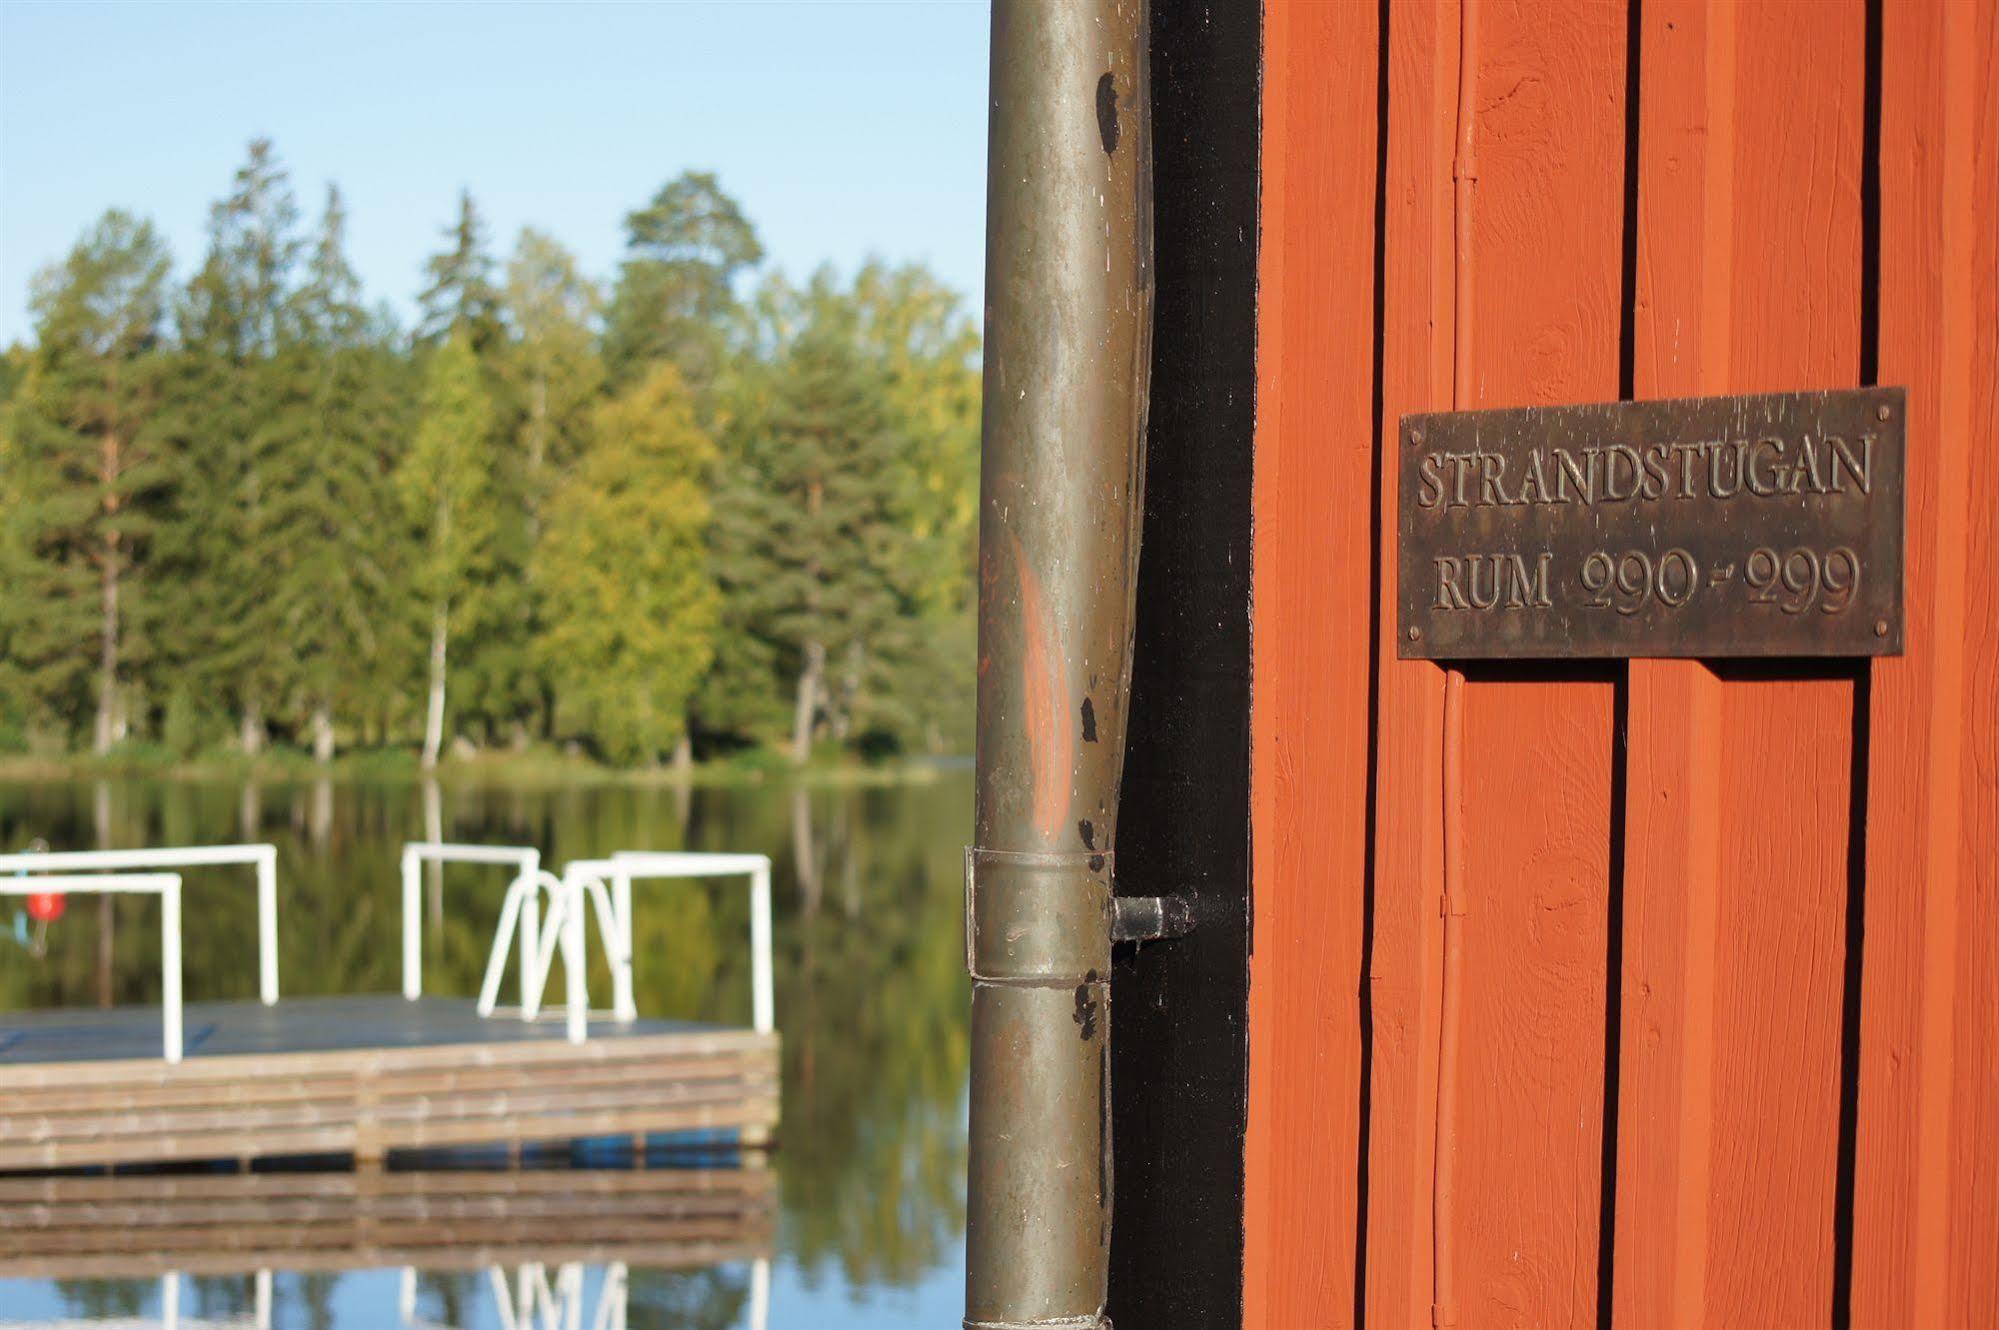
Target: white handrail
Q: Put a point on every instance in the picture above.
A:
(664, 864)
(565, 930)
(525, 860)
(622, 869)
(164, 885)
(264, 857)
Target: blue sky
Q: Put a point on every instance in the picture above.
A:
(845, 129)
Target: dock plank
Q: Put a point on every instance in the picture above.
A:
(362, 1076)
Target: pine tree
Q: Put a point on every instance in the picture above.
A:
(461, 295)
(676, 288)
(808, 543)
(84, 475)
(445, 483)
(630, 603)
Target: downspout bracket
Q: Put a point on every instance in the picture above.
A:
(1038, 918)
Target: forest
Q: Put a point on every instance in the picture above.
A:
(692, 510)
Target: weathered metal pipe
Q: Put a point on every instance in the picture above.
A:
(1067, 354)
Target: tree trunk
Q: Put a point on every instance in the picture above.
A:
(807, 711)
(322, 733)
(107, 653)
(537, 452)
(842, 708)
(433, 726)
(107, 634)
(252, 735)
(683, 756)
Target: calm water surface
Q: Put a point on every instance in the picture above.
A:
(871, 1002)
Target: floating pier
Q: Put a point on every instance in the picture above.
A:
(361, 1076)
(365, 1076)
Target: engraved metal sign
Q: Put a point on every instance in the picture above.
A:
(1717, 526)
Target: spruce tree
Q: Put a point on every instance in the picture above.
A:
(84, 477)
(236, 319)
(445, 483)
(335, 414)
(460, 295)
(631, 606)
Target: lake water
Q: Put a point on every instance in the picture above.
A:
(872, 1004)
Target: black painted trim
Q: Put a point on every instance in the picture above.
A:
(1179, 1060)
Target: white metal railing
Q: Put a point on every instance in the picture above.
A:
(263, 857)
(602, 887)
(613, 907)
(164, 885)
(522, 906)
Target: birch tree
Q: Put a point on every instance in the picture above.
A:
(631, 606)
(444, 483)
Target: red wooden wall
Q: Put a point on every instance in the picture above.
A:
(1727, 1043)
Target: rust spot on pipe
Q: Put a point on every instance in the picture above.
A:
(1051, 744)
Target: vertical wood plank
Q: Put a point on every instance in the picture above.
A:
(1406, 940)
(1784, 780)
(1538, 743)
(1680, 348)
(1927, 1140)
(1312, 638)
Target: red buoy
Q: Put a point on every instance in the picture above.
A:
(45, 907)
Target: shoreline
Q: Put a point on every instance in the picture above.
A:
(529, 768)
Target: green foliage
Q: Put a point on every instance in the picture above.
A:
(182, 727)
(249, 508)
(460, 296)
(225, 410)
(630, 603)
(338, 415)
(675, 295)
(445, 478)
(847, 512)
(548, 378)
(84, 474)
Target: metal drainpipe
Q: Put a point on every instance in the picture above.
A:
(1067, 358)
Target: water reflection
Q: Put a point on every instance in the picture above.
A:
(871, 1002)
(532, 1295)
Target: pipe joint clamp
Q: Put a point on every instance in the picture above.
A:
(1038, 918)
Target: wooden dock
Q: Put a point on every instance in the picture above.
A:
(216, 1224)
(361, 1076)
